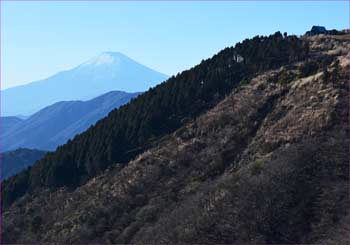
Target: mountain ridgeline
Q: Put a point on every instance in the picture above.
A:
(57, 123)
(7, 123)
(135, 127)
(108, 71)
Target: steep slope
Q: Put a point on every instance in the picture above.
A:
(267, 164)
(106, 72)
(7, 123)
(55, 124)
(12, 162)
(138, 125)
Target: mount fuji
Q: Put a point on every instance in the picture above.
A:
(106, 72)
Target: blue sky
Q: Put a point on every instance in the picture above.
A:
(40, 38)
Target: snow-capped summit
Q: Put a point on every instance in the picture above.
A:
(106, 58)
(103, 58)
(105, 72)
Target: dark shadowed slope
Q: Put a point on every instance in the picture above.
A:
(109, 71)
(55, 124)
(12, 162)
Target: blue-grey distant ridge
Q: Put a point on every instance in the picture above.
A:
(55, 124)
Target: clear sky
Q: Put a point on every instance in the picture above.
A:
(40, 38)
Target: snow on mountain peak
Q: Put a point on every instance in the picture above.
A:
(103, 73)
(103, 58)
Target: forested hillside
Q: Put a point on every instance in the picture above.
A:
(134, 127)
(263, 159)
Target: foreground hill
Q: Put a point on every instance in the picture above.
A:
(12, 162)
(106, 72)
(136, 126)
(258, 156)
(55, 124)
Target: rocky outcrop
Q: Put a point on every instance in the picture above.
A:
(316, 30)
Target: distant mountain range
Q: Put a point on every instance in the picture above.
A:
(109, 71)
(55, 124)
(15, 161)
(7, 123)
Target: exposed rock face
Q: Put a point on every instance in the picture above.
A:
(268, 164)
